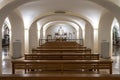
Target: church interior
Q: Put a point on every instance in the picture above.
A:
(59, 39)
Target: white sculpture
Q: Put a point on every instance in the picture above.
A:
(60, 31)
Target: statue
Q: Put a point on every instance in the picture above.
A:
(60, 35)
(60, 31)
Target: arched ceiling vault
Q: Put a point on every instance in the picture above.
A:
(55, 22)
(111, 5)
(32, 8)
(49, 24)
(4, 2)
(89, 10)
(62, 17)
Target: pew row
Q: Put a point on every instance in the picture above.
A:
(59, 77)
(62, 65)
(56, 43)
(45, 50)
(61, 47)
(61, 56)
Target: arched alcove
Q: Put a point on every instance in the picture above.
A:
(6, 38)
(63, 31)
(115, 36)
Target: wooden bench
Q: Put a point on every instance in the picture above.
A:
(66, 43)
(61, 47)
(61, 50)
(61, 56)
(59, 77)
(62, 65)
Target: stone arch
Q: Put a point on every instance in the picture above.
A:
(17, 28)
(114, 40)
(105, 31)
(33, 37)
(65, 22)
(70, 15)
(89, 37)
(7, 25)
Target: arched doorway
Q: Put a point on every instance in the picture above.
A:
(5, 40)
(6, 44)
(5, 35)
(115, 37)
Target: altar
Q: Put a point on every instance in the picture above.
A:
(60, 35)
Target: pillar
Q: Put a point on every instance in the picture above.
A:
(26, 38)
(95, 50)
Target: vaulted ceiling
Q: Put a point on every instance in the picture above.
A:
(77, 10)
(83, 8)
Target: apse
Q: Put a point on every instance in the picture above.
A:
(61, 31)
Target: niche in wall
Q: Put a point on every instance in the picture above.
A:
(61, 31)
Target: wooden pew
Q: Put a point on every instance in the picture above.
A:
(61, 47)
(62, 65)
(61, 50)
(66, 43)
(59, 77)
(61, 56)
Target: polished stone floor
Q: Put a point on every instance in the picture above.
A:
(7, 67)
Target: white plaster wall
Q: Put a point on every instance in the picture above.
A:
(105, 31)
(89, 36)
(41, 33)
(17, 29)
(33, 37)
(80, 33)
(67, 29)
